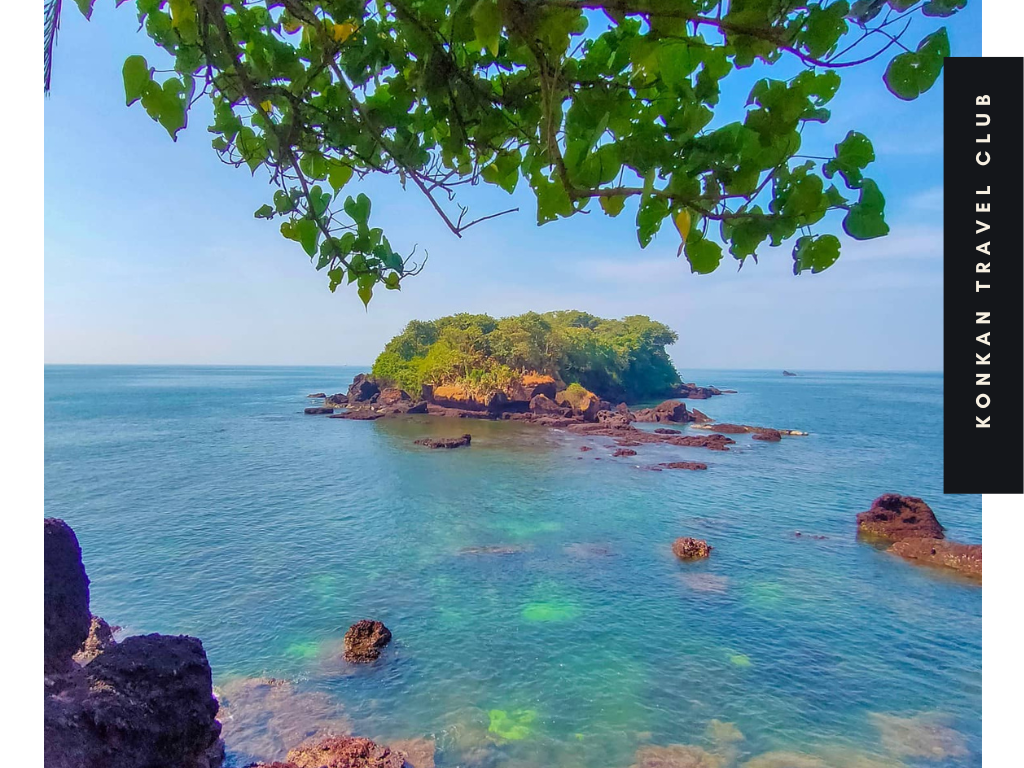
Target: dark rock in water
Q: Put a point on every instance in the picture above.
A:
(787, 373)
(362, 389)
(670, 410)
(445, 442)
(768, 435)
(731, 429)
(147, 702)
(700, 417)
(894, 517)
(364, 641)
(318, 394)
(418, 407)
(66, 616)
(337, 399)
(614, 418)
(363, 414)
(392, 396)
(964, 558)
(624, 452)
(693, 392)
(493, 550)
(586, 448)
(684, 465)
(100, 639)
(344, 752)
(666, 431)
(317, 410)
(686, 548)
(816, 537)
(627, 443)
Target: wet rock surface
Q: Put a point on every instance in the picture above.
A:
(687, 548)
(894, 517)
(695, 465)
(344, 752)
(445, 442)
(317, 410)
(768, 435)
(963, 558)
(365, 640)
(101, 638)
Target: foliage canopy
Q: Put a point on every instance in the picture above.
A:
(623, 359)
(581, 100)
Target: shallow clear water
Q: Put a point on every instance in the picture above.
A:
(207, 503)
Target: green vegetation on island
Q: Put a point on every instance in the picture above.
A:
(617, 359)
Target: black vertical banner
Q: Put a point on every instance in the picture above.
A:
(983, 273)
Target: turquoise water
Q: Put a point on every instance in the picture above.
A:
(207, 503)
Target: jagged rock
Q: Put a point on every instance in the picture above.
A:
(318, 394)
(363, 389)
(686, 548)
(66, 616)
(768, 435)
(418, 407)
(444, 442)
(624, 452)
(317, 410)
(584, 403)
(670, 410)
(392, 396)
(364, 641)
(337, 399)
(787, 373)
(344, 752)
(700, 417)
(101, 638)
(895, 517)
(542, 404)
(531, 385)
(147, 702)
(964, 558)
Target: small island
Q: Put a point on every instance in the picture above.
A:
(566, 369)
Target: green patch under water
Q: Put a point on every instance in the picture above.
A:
(556, 610)
(511, 726)
(304, 650)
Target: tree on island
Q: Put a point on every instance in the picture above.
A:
(620, 359)
(583, 100)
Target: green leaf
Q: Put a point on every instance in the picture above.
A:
(915, 72)
(358, 208)
(704, 255)
(338, 174)
(866, 219)
(613, 205)
(652, 212)
(85, 6)
(335, 276)
(853, 154)
(823, 28)
(943, 8)
(487, 25)
(264, 212)
(365, 293)
(166, 104)
(815, 253)
(136, 75)
(308, 233)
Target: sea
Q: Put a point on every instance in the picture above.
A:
(539, 618)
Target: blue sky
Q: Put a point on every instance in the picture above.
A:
(152, 254)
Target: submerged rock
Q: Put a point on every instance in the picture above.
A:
(66, 616)
(926, 736)
(677, 756)
(317, 410)
(963, 558)
(624, 452)
(363, 414)
(493, 550)
(364, 641)
(320, 395)
(782, 759)
(264, 717)
(894, 517)
(666, 431)
(418, 753)
(445, 442)
(686, 548)
(344, 752)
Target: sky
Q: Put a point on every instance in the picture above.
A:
(152, 254)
